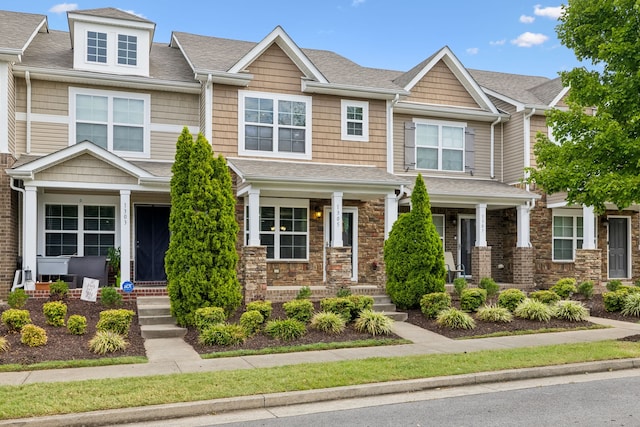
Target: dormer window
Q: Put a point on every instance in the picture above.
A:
(127, 49)
(97, 47)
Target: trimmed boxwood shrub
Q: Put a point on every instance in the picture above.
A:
(613, 285)
(360, 303)
(77, 324)
(510, 298)
(565, 287)
(17, 298)
(222, 334)
(116, 320)
(489, 285)
(300, 309)
(55, 312)
(15, 319)
(545, 296)
(614, 301)
(264, 307)
(586, 289)
(341, 306)
(251, 321)
(33, 336)
(208, 316)
(471, 299)
(58, 289)
(110, 297)
(433, 303)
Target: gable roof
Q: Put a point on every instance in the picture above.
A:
(17, 31)
(113, 13)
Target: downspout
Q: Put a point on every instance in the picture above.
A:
(27, 78)
(21, 215)
(492, 174)
(527, 143)
(208, 110)
(390, 105)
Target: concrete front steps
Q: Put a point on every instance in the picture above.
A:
(383, 304)
(154, 316)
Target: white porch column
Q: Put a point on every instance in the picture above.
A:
(523, 226)
(30, 244)
(390, 213)
(481, 225)
(336, 219)
(588, 228)
(4, 110)
(125, 236)
(253, 201)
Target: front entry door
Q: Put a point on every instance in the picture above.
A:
(618, 247)
(349, 236)
(466, 242)
(152, 242)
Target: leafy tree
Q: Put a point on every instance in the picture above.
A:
(596, 157)
(201, 259)
(413, 253)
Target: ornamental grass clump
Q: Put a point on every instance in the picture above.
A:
(264, 307)
(106, 341)
(4, 345)
(77, 324)
(455, 319)
(510, 298)
(433, 303)
(299, 309)
(360, 303)
(472, 298)
(208, 316)
(285, 330)
(545, 296)
(15, 319)
(55, 312)
(251, 321)
(573, 311)
(328, 322)
(374, 323)
(565, 287)
(493, 313)
(631, 305)
(33, 336)
(532, 309)
(222, 334)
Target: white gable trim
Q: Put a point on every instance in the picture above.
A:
(460, 72)
(519, 105)
(559, 96)
(29, 170)
(282, 39)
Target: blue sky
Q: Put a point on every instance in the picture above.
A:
(513, 36)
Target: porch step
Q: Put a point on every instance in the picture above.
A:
(383, 304)
(154, 316)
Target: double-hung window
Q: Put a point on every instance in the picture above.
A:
(438, 221)
(567, 235)
(79, 229)
(440, 146)
(355, 120)
(275, 125)
(284, 230)
(115, 121)
(96, 47)
(127, 49)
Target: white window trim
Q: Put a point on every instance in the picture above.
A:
(444, 226)
(441, 123)
(86, 53)
(567, 213)
(137, 51)
(278, 203)
(365, 120)
(242, 94)
(80, 202)
(146, 98)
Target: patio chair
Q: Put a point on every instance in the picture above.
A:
(453, 269)
(94, 266)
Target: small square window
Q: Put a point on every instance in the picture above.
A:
(355, 120)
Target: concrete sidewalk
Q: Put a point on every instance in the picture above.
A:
(172, 356)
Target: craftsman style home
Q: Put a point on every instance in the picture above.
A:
(323, 153)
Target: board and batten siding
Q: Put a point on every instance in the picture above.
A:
(513, 143)
(482, 147)
(86, 168)
(441, 87)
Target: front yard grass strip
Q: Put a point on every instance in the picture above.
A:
(308, 347)
(82, 363)
(93, 395)
(533, 331)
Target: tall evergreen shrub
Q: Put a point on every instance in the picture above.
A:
(201, 259)
(413, 253)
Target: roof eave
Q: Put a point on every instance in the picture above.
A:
(223, 78)
(448, 112)
(351, 90)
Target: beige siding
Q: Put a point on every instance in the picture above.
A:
(225, 120)
(563, 102)
(512, 156)
(203, 107)
(440, 86)
(11, 94)
(163, 145)
(86, 168)
(556, 198)
(21, 137)
(273, 71)
(482, 148)
(48, 137)
(174, 109)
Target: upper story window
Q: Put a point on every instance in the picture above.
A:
(127, 49)
(274, 125)
(115, 121)
(355, 120)
(97, 47)
(567, 235)
(440, 146)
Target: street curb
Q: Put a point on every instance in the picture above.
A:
(261, 401)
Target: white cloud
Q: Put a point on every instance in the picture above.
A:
(529, 39)
(356, 3)
(473, 51)
(497, 42)
(64, 7)
(525, 19)
(553, 12)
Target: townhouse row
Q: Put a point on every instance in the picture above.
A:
(315, 144)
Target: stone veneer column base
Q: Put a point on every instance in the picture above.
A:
(588, 265)
(481, 263)
(523, 267)
(254, 272)
(339, 267)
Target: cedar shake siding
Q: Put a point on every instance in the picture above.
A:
(441, 87)
(538, 124)
(86, 168)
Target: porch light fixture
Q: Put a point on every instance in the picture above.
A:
(317, 212)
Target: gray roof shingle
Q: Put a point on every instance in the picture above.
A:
(17, 28)
(112, 12)
(535, 90)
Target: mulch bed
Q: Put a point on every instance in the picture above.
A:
(62, 345)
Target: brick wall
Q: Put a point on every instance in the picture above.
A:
(523, 267)
(8, 227)
(588, 265)
(481, 260)
(137, 292)
(254, 272)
